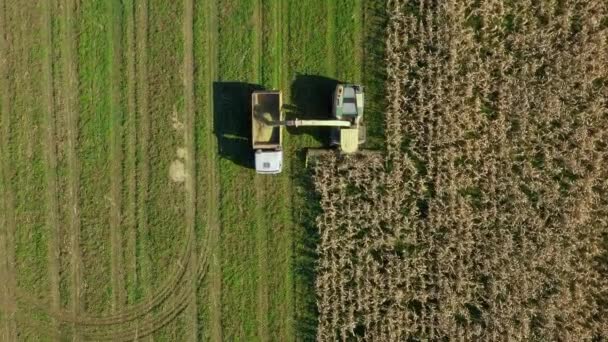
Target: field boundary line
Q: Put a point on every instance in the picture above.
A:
(70, 82)
(116, 247)
(50, 150)
(260, 182)
(190, 181)
(8, 209)
(213, 222)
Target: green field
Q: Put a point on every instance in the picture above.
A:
(129, 207)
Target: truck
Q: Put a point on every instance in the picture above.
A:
(266, 106)
(348, 131)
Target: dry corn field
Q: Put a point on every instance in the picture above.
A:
(488, 219)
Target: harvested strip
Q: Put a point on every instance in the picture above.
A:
(212, 218)
(9, 306)
(70, 82)
(189, 160)
(131, 157)
(330, 36)
(143, 167)
(118, 286)
(260, 187)
(50, 149)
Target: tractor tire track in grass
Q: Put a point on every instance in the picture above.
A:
(190, 182)
(9, 305)
(183, 298)
(212, 220)
(50, 150)
(261, 187)
(140, 321)
(131, 313)
(121, 330)
(70, 83)
(117, 275)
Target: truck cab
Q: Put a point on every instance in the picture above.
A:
(268, 161)
(267, 139)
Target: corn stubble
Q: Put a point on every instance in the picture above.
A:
(488, 218)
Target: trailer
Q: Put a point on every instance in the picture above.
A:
(267, 138)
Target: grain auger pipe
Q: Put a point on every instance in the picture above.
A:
(302, 123)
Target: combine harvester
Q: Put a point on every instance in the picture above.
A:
(267, 125)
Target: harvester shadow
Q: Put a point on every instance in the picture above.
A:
(311, 98)
(232, 120)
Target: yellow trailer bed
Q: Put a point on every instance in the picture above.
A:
(266, 108)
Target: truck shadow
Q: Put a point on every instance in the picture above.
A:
(311, 98)
(232, 120)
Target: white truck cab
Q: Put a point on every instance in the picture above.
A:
(269, 161)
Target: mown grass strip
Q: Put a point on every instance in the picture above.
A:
(261, 184)
(205, 51)
(143, 166)
(347, 40)
(190, 165)
(50, 149)
(330, 36)
(165, 204)
(9, 305)
(24, 153)
(232, 99)
(144, 286)
(116, 155)
(96, 150)
(130, 151)
(273, 203)
(166, 207)
(283, 240)
(70, 83)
